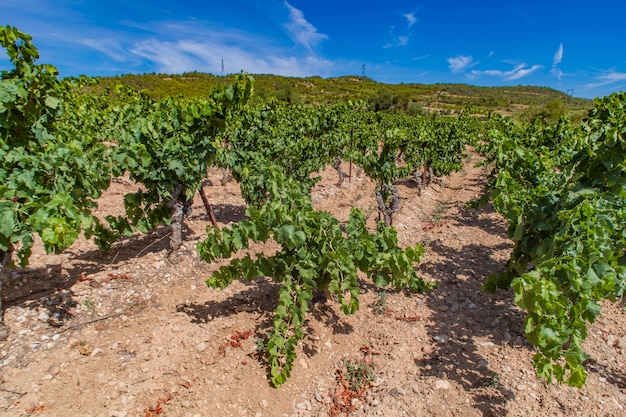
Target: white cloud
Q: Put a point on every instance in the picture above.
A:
(558, 58)
(411, 18)
(301, 31)
(184, 46)
(491, 54)
(403, 40)
(166, 56)
(185, 56)
(607, 78)
(109, 47)
(519, 71)
(399, 41)
(460, 63)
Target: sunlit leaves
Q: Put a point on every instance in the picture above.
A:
(50, 173)
(314, 253)
(562, 191)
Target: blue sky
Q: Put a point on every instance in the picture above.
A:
(566, 45)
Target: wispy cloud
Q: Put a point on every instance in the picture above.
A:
(109, 47)
(194, 45)
(398, 41)
(460, 63)
(607, 78)
(558, 58)
(411, 17)
(519, 71)
(490, 54)
(184, 56)
(301, 31)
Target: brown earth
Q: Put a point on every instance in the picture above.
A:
(126, 333)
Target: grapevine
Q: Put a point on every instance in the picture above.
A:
(563, 193)
(50, 176)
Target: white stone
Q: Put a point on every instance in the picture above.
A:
(442, 384)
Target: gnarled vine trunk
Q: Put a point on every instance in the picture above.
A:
(337, 166)
(5, 257)
(226, 176)
(388, 203)
(181, 208)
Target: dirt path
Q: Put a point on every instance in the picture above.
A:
(126, 333)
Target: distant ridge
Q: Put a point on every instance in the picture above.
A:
(318, 90)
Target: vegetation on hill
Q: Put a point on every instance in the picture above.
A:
(527, 102)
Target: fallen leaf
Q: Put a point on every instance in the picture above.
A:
(35, 409)
(85, 350)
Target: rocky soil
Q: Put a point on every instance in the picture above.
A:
(127, 333)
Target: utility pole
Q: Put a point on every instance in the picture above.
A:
(570, 94)
(222, 67)
(363, 71)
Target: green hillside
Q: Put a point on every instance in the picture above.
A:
(408, 98)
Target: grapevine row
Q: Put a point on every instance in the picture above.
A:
(561, 188)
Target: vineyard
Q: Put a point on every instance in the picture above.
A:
(339, 261)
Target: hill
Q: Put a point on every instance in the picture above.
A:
(410, 98)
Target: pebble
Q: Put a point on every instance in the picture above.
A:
(486, 344)
(318, 397)
(264, 403)
(304, 405)
(442, 338)
(442, 384)
(610, 340)
(483, 363)
(43, 317)
(201, 347)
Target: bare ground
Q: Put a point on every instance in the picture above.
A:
(126, 333)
